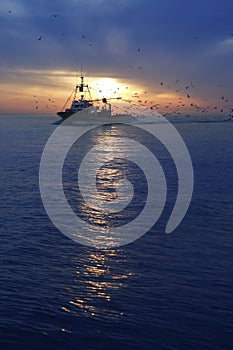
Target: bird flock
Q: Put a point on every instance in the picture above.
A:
(181, 94)
(183, 102)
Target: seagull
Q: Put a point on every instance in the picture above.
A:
(40, 38)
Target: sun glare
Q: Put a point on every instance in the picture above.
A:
(106, 87)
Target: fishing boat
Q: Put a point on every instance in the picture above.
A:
(84, 103)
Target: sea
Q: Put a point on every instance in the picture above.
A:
(161, 291)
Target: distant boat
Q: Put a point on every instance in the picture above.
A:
(84, 103)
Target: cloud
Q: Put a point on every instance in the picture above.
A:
(13, 7)
(224, 47)
(189, 42)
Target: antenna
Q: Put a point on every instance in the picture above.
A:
(81, 70)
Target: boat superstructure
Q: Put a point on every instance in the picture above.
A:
(84, 102)
(77, 104)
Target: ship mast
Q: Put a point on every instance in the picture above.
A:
(81, 88)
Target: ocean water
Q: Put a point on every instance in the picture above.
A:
(160, 292)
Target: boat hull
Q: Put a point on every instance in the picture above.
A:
(65, 115)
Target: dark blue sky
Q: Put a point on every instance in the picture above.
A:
(178, 40)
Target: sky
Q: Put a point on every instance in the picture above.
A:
(175, 55)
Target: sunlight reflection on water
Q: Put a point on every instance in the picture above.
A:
(96, 280)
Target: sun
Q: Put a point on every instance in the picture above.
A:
(106, 87)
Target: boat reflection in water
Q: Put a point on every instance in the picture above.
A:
(96, 285)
